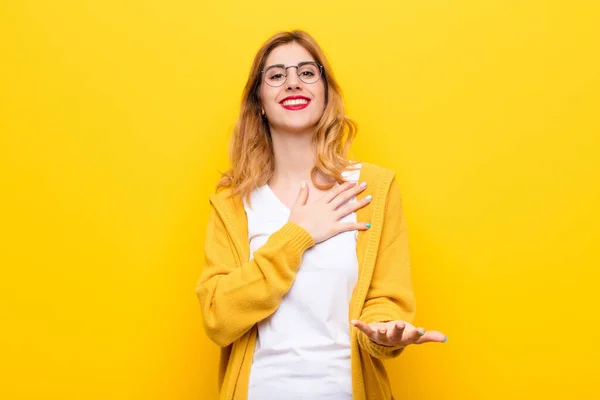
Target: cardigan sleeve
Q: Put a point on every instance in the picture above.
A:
(390, 296)
(233, 298)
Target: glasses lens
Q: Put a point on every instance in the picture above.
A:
(275, 76)
(309, 73)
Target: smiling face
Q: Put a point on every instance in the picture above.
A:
(295, 106)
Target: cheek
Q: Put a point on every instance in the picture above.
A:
(320, 94)
(266, 97)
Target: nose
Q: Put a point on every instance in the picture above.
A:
(293, 82)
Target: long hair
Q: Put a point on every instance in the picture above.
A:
(251, 149)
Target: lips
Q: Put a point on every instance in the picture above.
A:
(295, 102)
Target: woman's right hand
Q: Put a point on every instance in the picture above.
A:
(321, 219)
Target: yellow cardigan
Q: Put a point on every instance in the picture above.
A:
(235, 293)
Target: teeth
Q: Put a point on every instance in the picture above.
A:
(295, 102)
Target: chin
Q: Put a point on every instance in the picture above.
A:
(298, 126)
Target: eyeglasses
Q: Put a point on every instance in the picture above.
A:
(307, 71)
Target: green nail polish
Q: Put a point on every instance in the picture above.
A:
(368, 198)
(421, 333)
(368, 225)
(445, 340)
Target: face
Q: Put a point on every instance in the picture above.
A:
(295, 106)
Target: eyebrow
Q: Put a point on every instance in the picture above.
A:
(283, 66)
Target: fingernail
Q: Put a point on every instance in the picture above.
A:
(303, 185)
(421, 333)
(369, 198)
(382, 331)
(445, 340)
(368, 225)
(363, 184)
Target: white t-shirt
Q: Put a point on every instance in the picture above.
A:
(303, 348)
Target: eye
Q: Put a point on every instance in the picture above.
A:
(307, 73)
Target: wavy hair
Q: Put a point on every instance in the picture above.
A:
(251, 148)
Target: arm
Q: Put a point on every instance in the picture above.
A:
(390, 296)
(234, 298)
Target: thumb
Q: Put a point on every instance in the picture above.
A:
(302, 195)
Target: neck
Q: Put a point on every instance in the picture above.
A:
(295, 157)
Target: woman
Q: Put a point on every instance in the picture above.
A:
(298, 251)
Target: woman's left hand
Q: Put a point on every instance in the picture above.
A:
(398, 333)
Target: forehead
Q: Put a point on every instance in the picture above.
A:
(288, 54)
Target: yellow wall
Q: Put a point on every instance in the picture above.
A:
(115, 115)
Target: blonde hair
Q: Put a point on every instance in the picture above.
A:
(251, 150)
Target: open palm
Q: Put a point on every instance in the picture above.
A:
(398, 333)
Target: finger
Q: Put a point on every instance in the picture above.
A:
(381, 335)
(411, 334)
(351, 207)
(398, 330)
(363, 327)
(302, 195)
(432, 336)
(352, 226)
(358, 324)
(395, 333)
(347, 194)
(370, 331)
(337, 190)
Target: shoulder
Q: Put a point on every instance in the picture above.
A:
(223, 193)
(227, 198)
(383, 185)
(374, 174)
(227, 209)
(365, 165)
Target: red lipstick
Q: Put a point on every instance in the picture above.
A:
(295, 102)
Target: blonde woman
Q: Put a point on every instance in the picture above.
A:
(306, 285)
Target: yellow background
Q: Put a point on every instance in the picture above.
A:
(115, 117)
